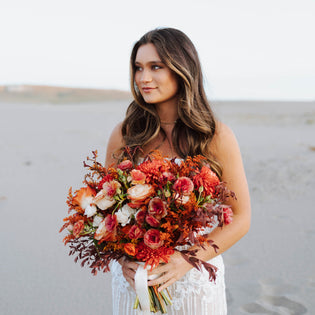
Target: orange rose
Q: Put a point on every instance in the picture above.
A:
(140, 192)
(152, 239)
(130, 249)
(157, 208)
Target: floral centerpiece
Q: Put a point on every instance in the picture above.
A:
(145, 212)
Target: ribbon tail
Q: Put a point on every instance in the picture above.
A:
(141, 284)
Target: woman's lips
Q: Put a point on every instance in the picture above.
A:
(147, 89)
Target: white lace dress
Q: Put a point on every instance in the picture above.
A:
(193, 294)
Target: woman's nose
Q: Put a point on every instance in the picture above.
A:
(146, 76)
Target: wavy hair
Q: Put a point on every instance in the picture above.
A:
(196, 124)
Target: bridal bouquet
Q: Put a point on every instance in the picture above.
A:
(145, 212)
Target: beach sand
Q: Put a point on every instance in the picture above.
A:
(270, 271)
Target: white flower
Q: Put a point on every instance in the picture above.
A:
(103, 201)
(122, 217)
(90, 210)
(86, 202)
(97, 220)
(128, 210)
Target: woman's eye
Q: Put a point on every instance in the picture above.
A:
(156, 67)
(138, 68)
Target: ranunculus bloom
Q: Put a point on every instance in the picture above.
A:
(184, 186)
(157, 208)
(140, 216)
(107, 228)
(137, 177)
(152, 239)
(151, 220)
(140, 192)
(125, 165)
(78, 228)
(227, 214)
(103, 201)
(130, 249)
(84, 197)
(208, 179)
(135, 232)
(110, 188)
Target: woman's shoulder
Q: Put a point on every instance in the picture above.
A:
(224, 145)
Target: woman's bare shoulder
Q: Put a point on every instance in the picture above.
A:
(115, 142)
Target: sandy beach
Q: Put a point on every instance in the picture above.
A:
(270, 271)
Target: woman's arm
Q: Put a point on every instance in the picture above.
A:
(226, 150)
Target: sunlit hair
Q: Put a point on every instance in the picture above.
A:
(196, 125)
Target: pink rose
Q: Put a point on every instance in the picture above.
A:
(78, 228)
(151, 220)
(125, 165)
(184, 186)
(152, 239)
(140, 192)
(110, 188)
(157, 208)
(227, 214)
(107, 229)
(135, 232)
(137, 177)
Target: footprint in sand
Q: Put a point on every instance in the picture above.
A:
(277, 303)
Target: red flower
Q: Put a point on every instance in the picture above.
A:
(125, 165)
(105, 179)
(78, 228)
(130, 249)
(137, 177)
(157, 208)
(227, 214)
(184, 186)
(135, 232)
(152, 239)
(140, 216)
(152, 221)
(208, 179)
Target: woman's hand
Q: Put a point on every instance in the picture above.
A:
(129, 269)
(175, 269)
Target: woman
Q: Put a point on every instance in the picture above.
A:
(170, 113)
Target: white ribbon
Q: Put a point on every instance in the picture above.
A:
(141, 284)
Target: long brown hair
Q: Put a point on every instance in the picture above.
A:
(196, 125)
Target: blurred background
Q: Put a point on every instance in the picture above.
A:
(64, 85)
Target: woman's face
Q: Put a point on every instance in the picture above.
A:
(156, 82)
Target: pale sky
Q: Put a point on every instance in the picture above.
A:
(249, 49)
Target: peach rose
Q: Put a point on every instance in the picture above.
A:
(110, 188)
(152, 239)
(103, 201)
(78, 228)
(140, 192)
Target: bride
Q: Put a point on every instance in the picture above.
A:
(171, 113)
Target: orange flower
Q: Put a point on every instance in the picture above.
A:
(130, 249)
(208, 179)
(137, 177)
(83, 198)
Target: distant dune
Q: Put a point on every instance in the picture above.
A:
(37, 94)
